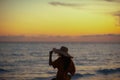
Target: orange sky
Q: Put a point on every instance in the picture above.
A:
(60, 17)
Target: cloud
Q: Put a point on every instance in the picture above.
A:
(117, 14)
(63, 4)
(96, 6)
(113, 0)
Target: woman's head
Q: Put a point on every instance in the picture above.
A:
(63, 51)
(63, 48)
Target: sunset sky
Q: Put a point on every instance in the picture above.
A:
(59, 17)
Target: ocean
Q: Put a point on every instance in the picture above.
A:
(29, 61)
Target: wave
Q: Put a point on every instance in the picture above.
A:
(3, 71)
(78, 75)
(42, 78)
(108, 71)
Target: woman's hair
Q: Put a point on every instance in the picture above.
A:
(66, 61)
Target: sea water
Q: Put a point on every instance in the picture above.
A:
(29, 61)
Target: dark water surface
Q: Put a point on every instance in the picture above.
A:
(29, 61)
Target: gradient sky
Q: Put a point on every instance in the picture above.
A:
(59, 17)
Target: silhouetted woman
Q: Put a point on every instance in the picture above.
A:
(63, 63)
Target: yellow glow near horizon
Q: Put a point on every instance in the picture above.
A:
(43, 18)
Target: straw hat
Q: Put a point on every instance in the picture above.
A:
(62, 51)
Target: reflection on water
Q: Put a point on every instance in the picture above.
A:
(29, 61)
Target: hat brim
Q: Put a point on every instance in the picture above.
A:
(58, 51)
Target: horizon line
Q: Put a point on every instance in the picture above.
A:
(37, 35)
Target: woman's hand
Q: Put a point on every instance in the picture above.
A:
(50, 52)
(50, 57)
